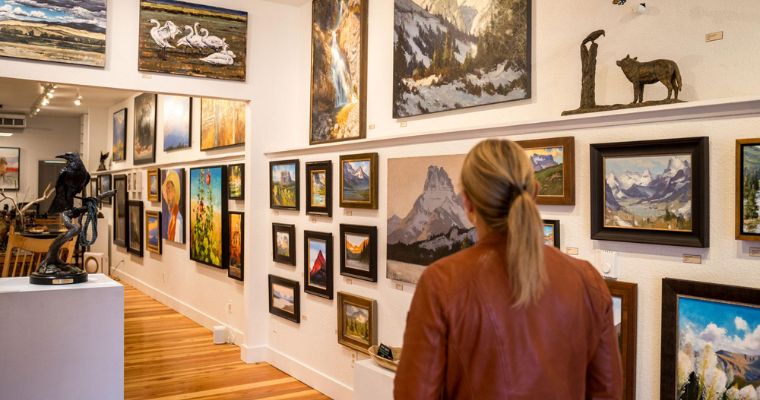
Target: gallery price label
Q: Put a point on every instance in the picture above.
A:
(692, 259)
(754, 251)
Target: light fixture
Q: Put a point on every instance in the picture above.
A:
(5, 134)
(78, 100)
(49, 94)
(45, 101)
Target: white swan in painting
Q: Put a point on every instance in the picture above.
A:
(185, 40)
(212, 41)
(224, 57)
(162, 34)
(192, 39)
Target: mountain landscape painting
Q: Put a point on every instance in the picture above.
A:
(358, 181)
(426, 217)
(356, 320)
(357, 251)
(548, 166)
(750, 198)
(452, 54)
(284, 185)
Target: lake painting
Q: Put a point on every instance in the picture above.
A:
(176, 121)
(283, 298)
(356, 181)
(549, 169)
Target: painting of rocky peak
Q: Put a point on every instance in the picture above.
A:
(452, 54)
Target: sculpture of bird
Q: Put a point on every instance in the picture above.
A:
(593, 36)
(72, 180)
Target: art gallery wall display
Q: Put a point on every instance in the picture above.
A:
(235, 265)
(236, 181)
(653, 191)
(319, 188)
(747, 185)
(357, 322)
(208, 210)
(709, 340)
(120, 211)
(551, 233)
(104, 185)
(222, 123)
(192, 39)
(625, 310)
(135, 238)
(554, 164)
(177, 122)
(338, 70)
(358, 181)
(284, 244)
(447, 58)
(284, 187)
(70, 32)
(285, 298)
(119, 147)
(426, 217)
(10, 168)
(318, 264)
(173, 205)
(154, 184)
(358, 252)
(144, 140)
(153, 231)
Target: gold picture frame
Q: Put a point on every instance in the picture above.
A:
(358, 181)
(154, 184)
(359, 333)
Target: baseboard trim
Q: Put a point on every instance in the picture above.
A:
(310, 376)
(253, 354)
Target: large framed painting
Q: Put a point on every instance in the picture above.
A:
(154, 184)
(135, 238)
(554, 164)
(104, 185)
(625, 309)
(119, 147)
(173, 205)
(284, 193)
(551, 233)
(235, 269)
(222, 123)
(338, 70)
(153, 231)
(747, 185)
(318, 264)
(284, 244)
(709, 341)
(144, 142)
(208, 221)
(176, 121)
(193, 40)
(236, 181)
(654, 191)
(357, 322)
(319, 188)
(451, 57)
(10, 168)
(285, 298)
(70, 32)
(358, 181)
(120, 211)
(426, 217)
(358, 252)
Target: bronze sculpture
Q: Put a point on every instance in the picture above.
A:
(643, 73)
(588, 61)
(103, 158)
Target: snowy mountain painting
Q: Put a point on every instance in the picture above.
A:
(548, 164)
(451, 54)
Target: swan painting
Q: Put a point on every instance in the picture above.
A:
(192, 39)
(224, 57)
(162, 34)
(212, 41)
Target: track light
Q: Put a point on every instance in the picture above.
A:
(49, 95)
(78, 100)
(45, 101)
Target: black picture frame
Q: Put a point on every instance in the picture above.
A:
(296, 184)
(119, 154)
(224, 229)
(554, 223)
(230, 168)
(628, 295)
(291, 231)
(231, 272)
(295, 286)
(135, 207)
(313, 168)
(326, 291)
(101, 179)
(371, 248)
(697, 148)
(121, 198)
(153, 97)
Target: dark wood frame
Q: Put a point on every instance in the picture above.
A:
(318, 166)
(555, 223)
(140, 211)
(101, 178)
(151, 160)
(18, 182)
(328, 239)
(362, 302)
(291, 229)
(200, 137)
(568, 168)
(297, 179)
(242, 246)
(113, 123)
(156, 250)
(698, 148)
(740, 234)
(242, 181)
(627, 292)
(671, 290)
(125, 195)
(296, 317)
(370, 231)
(189, 125)
(373, 186)
(157, 173)
(183, 206)
(224, 228)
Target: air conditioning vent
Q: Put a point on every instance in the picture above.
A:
(17, 121)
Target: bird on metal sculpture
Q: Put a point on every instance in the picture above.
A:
(72, 180)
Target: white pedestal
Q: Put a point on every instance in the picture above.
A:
(372, 382)
(62, 342)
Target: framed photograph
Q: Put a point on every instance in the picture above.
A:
(119, 147)
(318, 264)
(357, 322)
(551, 233)
(208, 221)
(235, 266)
(285, 298)
(358, 181)
(135, 227)
(653, 191)
(10, 166)
(144, 141)
(120, 211)
(104, 185)
(153, 231)
(554, 163)
(319, 188)
(173, 205)
(358, 252)
(747, 184)
(284, 192)
(625, 310)
(177, 122)
(709, 340)
(154, 184)
(222, 123)
(236, 181)
(284, 244)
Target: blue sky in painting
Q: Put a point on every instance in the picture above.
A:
(91, 12)
(277, 170)
(727, 326)
(315, 246)
(216, 179)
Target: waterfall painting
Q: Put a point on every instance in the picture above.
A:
(338, 70)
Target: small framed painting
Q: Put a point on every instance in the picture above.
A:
(173, 205)
(284, 244)
(319, 188)
(283, 185)
(624, 309)
(104, 185)
(358, 252)
(177, 122)
(10, 166)
(551, 233)
(120, 211)
(153, 231)
(154, 185)
(135, 238)
(747, 187)
(236, 181)
(144, 140)
(554, 164)
(357, 322)
(358, 181)
(285, 298)
(318, 264)
(119, 146)
(237, 242)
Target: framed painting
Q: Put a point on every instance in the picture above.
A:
(709, 341)
(236, 181)
(119, 146)
(338, 70)
(747, 184)
(10, 168)
(173, 203)
(652, 192)
(104, 185)
(284, 244)
(69, 32)
(154, 184)
(285, 298)
(236, 263)
(319, 188)
(551, 233)
(176, 121)
(357, 322)
(358, 181)
(208, 221)
(120, 211)
(135, 222)
(284, 192)
(318, 264)
(153, 231)
(554, 164)
(222, 123)
(144, 142)
(625, 309)
(358, 252)
(193, 40)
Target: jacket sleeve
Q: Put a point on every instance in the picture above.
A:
(421, 373)
(604, 376)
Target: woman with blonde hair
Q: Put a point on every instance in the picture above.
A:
(508, 318)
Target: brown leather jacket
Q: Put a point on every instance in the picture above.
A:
(463, 340)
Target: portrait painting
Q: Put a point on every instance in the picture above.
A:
(104, 185)
(144, 141)
(747, 183)
(208, 207)
(358, 252)
(357, 322)
(173, 205)
(284, 244)
(119, 148)
(153, 231)
(285, 298)
(358, 181)
(236, 181)
(222, 123)
(135, 227)
(318, 274)
(236, 262)
(283, 185)
(120, 211)
(10, 168)
(551, 233)
(176, 121)
(319, 188)
(154, 184)
(553, 162)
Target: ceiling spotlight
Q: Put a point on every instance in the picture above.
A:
(49, 95)
(37, 110)
(45, 101)
(78, 101)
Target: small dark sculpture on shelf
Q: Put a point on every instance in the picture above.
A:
(103, 158)
(588, 62)
(643, 73)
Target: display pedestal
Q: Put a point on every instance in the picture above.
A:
(372, 382)
(62, 342)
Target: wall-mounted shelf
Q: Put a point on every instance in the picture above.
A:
(238, 156)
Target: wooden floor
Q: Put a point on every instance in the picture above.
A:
(168, 356)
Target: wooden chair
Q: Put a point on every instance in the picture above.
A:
(24, 254)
